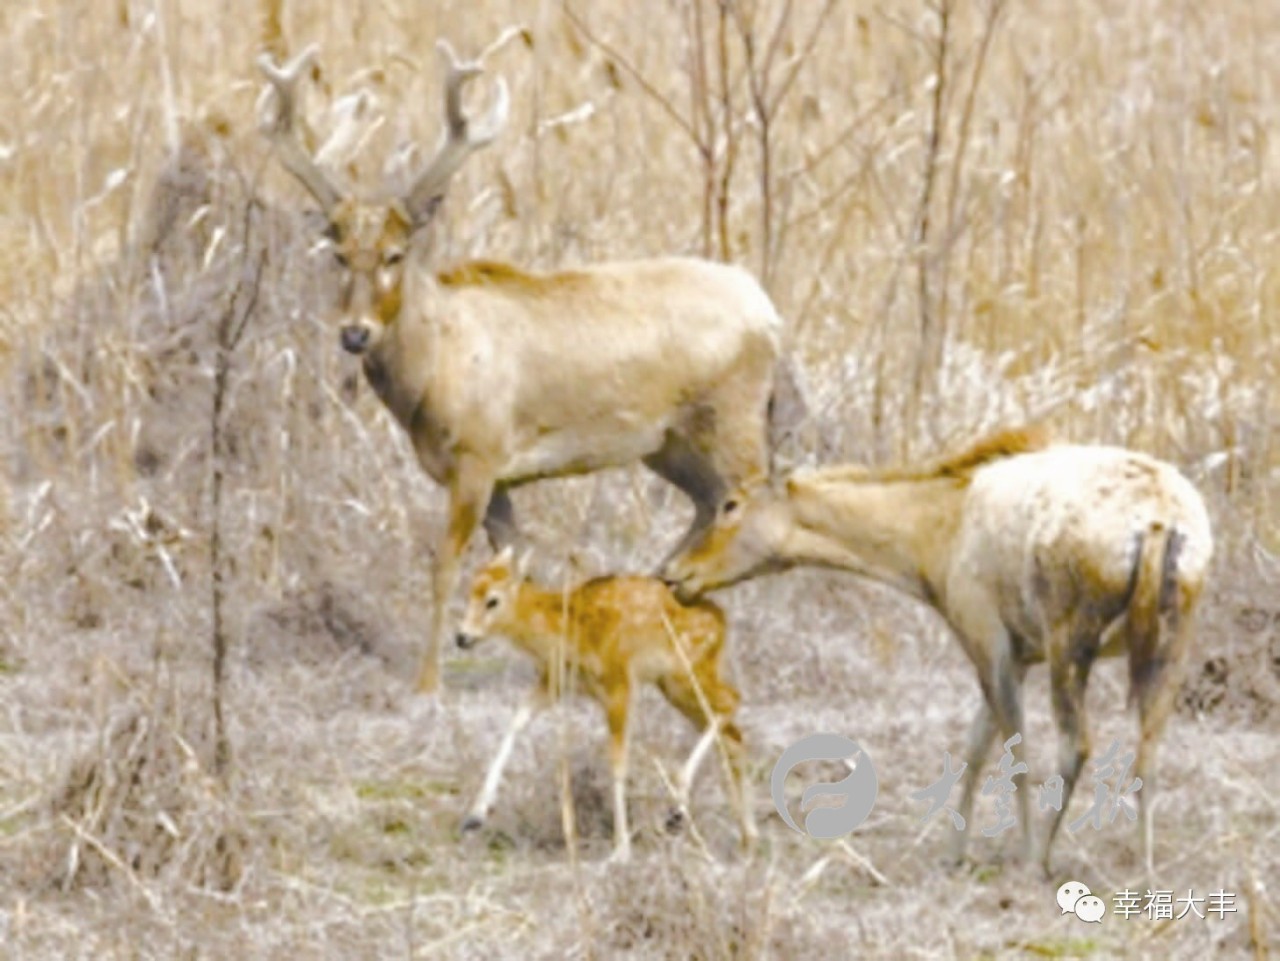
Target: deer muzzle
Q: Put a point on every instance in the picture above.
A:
(683, 584)
(355, 338)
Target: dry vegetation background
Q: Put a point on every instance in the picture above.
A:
(1070, 209)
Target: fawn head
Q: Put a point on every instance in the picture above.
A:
(492, 600)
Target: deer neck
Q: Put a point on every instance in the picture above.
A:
(899, 533)
(398, 367)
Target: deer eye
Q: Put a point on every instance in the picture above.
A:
(341, 258)
(729, 507)
(393, 257)
(491, 603)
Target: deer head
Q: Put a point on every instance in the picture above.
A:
(494, 599)
(742, 542)
(371, 238)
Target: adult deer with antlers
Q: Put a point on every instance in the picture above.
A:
(502, 376)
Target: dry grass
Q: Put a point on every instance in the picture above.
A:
(1101, 252)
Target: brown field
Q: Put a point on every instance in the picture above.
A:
(1077, 220)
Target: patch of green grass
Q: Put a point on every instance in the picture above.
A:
(499, 845)
(475, 666)
(987, 873)
(12, 826)
(396, 826)
(406, 790)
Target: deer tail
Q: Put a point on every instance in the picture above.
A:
(1151, 606)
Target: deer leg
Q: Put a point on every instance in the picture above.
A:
(690, 769)
(982, 734)
(1001, 676)
(1071, 656)
(1011, 674)
(483, 803)
(678, 463)
(1024, 788)
(679, 812)
(722, 698)
(1155, 703)
(617, 711)
(469, 491)
(984, 638)
(740, 786)
(500, 520)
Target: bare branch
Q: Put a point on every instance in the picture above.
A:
(933, 144)
(634, 73)
(802, 57)
(775, 41)
(962, 145)
(231, 327)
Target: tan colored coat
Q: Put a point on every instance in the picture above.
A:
(1032, 552)
(606, 638)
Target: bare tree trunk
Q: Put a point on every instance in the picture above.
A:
(923, 238)
(231, 328)
(767, 92)
(954, 229)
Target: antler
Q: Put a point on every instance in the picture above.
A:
(283, 128)
(463, 136)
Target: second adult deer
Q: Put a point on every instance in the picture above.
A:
(1031, 551)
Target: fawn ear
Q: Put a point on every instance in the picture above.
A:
(522, 565)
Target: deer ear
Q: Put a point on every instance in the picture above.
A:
(504, 559)
(426, 213)
(402, 216)
(522, 565)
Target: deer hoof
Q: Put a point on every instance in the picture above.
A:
(472, 823)
(675, 821)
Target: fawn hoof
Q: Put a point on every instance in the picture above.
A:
(472, 823)
(620, 856)
(430, 686)
(675, 820)
(428, 681)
